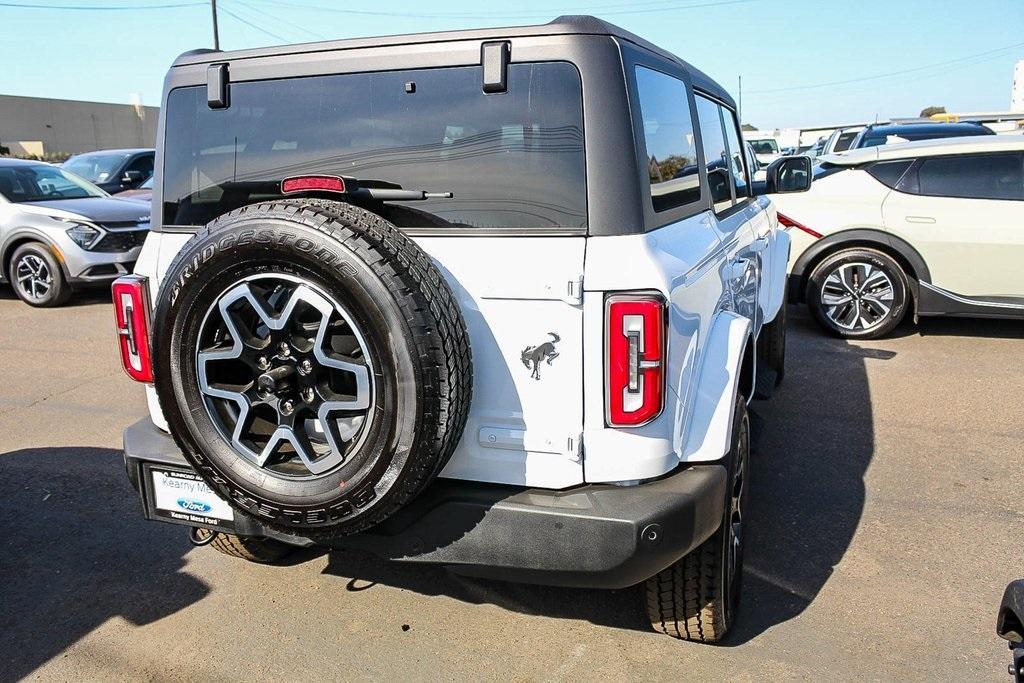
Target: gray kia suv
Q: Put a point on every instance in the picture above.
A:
(59, 231)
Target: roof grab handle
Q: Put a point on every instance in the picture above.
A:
(495, 58)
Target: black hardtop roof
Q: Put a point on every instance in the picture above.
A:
(562, 26)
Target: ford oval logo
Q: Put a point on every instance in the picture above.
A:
(193, 505)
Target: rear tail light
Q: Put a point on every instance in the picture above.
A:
(787, 222)
(635, 359)
(131, 315)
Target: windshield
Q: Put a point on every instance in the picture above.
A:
(40, 182)
(844, 140)
(97, 167)
(765, 146)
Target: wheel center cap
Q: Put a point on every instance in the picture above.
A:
(276, 380)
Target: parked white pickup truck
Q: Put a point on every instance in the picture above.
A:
(495, 300)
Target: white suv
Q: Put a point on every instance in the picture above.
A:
(930, 228)
(495, 300)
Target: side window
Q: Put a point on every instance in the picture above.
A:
(740, 177)
(668, 139)
(976, 176)
(888, 172)
(144, 164)
(716, 155)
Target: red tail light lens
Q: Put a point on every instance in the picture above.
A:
(131, 315)
(313, 183)
(787, 222)
(635, 350)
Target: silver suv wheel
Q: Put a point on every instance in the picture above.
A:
(857, 296)
(33, 277)
(285, 374)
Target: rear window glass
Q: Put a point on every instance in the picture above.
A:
(765, 146)
(511, 160)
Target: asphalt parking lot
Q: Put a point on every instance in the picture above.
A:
(886, 521)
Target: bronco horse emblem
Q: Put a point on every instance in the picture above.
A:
(533, 355)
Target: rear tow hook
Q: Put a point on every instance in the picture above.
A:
(198, 539)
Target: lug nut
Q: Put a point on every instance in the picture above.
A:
(285, 349)
(262, 363)
(308, 395)
(287, 407)
(305, 367)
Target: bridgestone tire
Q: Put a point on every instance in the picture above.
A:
(696, 598)
(875, 259)
(421, 370)
(256, 549)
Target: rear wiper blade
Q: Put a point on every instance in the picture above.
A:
(389, 195)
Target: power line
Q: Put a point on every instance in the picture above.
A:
(886, 75)
(294, 26)
(252, 25)
(103, 8)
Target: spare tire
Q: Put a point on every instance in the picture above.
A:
(312, 363)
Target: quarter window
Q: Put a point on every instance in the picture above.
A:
(888, 172)
(976, 176)
(716, 154)
(668, 138)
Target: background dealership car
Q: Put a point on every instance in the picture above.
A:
(766, 149)
(113, 170)
(143, 193)
(840, 140)
(58, 231)
(929, 228)
(892, 133)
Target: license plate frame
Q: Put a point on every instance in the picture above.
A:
(178, 495)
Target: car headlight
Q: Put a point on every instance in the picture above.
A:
(83, 235)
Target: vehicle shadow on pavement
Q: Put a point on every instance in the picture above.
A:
(76, 553)
(814, 442)
(807, 485)
(613, 608)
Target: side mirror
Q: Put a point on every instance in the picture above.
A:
(788, 174)
(132, 177)
(720, 179)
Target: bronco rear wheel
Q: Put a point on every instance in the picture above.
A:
(696, 598)
(313, 364)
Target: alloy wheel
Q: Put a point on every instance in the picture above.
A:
(286, 375)
(857, 296)
(33, 277)
(737, 505)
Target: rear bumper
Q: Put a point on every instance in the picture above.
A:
(596, 535)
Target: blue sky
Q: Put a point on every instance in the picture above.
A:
(803, 62)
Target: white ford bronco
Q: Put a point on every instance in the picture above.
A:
(494, 300)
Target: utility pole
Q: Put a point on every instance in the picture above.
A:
(216, 33)
(740, 104)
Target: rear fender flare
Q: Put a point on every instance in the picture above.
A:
(729, 350)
